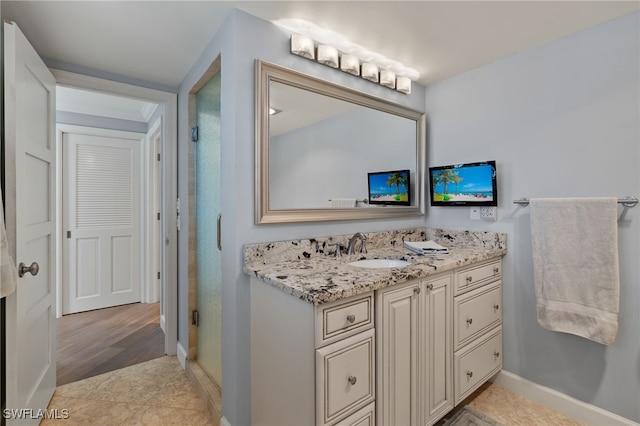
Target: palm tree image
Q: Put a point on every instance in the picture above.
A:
(474, 182)
(445, 177)
(397, 180)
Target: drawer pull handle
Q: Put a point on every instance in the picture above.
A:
(351, 318)
(469, 278)
(416, 290)
(469, 374)
(496, 306)
(352, 380)
(430, 286)
(496, 354)
(469, 321)
(496, 270)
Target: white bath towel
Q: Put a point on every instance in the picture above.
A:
(575, 263)
(8, 272)
(343, 203)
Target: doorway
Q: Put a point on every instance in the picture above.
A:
(150, 320)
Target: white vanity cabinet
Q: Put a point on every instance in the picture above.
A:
(311, 365)
(413, 330)
(477, 319)
(404, 354)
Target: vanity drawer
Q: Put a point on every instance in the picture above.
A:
(477, 363)
(479, 274)
(343, 318)
(345, 377)
(363, 417)
(476, 312)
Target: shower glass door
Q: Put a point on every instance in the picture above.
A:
(208, 207)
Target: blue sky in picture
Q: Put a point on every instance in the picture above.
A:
(378, 185)
(475, 179)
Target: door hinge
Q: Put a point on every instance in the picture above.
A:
(158, 157)
(195, 317)
(158, 215)
(158, 274)
(68, 234)
(194, 134)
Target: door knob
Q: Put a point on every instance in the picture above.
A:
(23, 269)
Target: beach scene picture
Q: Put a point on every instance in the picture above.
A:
(470, 183)
(389, 187)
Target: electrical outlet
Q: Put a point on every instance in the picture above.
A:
(475, 213)
(488, 213)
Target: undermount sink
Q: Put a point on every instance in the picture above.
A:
(380, 263)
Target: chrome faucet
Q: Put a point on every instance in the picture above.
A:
(352, 243)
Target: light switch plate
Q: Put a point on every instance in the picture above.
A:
(475, 213)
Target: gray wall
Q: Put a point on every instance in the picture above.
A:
(241, 40)
(66, 117)
(561, 120)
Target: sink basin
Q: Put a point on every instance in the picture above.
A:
(380, 263)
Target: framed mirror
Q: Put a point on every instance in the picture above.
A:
(327, 152)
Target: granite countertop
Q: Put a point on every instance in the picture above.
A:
(324, 278)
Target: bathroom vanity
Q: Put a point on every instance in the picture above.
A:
(333, 343)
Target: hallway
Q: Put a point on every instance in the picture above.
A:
(95, 342)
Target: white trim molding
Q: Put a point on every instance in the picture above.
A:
(565, 404)
(224, 421)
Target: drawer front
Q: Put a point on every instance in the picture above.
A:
(477, 275)
(476, 312)
(341, 319)
(345, 377)
(476, 365)
(363, 417)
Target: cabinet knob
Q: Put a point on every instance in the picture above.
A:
(496, 354)
(352, 380)
(469, 278)
(430, 286)
(496, 270)
(416, 290)
(496, 306)
(469, 321)
(351, 318)
(469, 374)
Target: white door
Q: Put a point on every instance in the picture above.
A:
(31, 223)
(101, 204)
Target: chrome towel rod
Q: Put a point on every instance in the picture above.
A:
(626, 201)
(364, 200)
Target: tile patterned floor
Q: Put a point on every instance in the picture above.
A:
(512, 409)
(158, 393)
(155, 392)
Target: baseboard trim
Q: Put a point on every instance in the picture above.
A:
(182, 356)
(224, 421)
(560, 402)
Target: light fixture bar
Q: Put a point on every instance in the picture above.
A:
(328, 55)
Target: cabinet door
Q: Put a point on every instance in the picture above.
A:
(437, 395)
(397, 352)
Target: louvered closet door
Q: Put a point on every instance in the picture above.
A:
(102, 220)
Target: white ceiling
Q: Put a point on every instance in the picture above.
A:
(159, 41)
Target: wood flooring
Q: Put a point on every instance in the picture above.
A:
(95, 342)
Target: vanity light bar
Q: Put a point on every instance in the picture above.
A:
(330, 56)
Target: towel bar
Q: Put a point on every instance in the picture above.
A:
(364, 200)
(626, 201)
